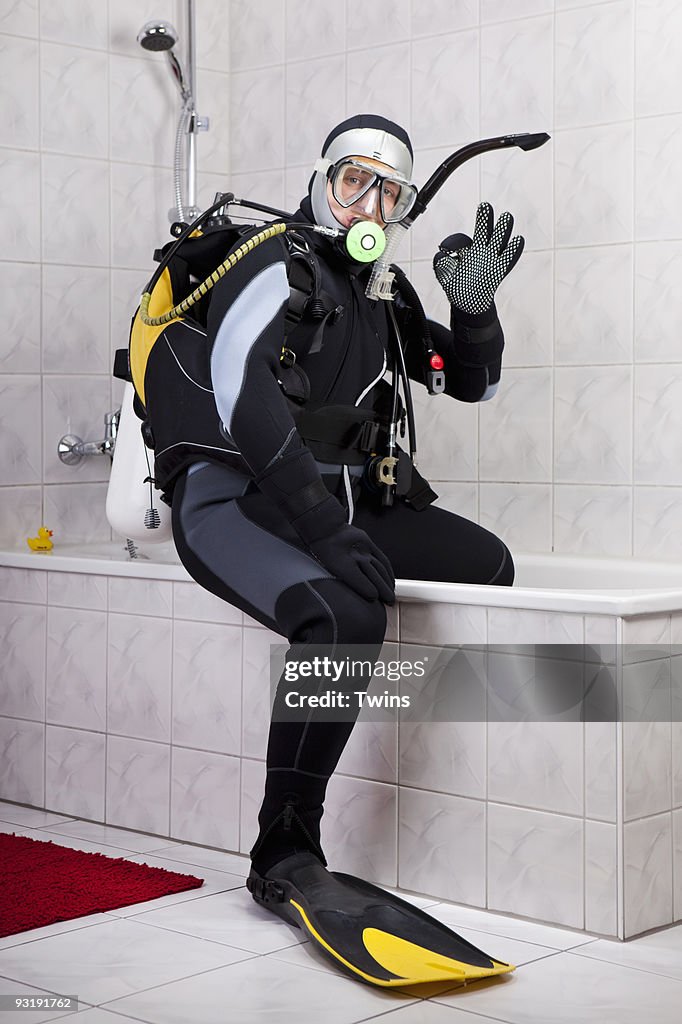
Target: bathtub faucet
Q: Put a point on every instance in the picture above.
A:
(71, 449)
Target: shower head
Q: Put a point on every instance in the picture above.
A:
(160, 36)
(157, 35)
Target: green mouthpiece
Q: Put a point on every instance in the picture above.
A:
(365, 242)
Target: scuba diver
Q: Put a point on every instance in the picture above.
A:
(286, 505)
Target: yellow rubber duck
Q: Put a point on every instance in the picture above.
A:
(42, 542)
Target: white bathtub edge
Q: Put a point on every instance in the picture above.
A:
(58, 561)
(604, 601)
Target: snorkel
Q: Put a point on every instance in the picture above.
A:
(380, 284)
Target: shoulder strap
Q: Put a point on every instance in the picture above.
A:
(307, 298)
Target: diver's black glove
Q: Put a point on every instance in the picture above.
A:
(293, 482)
(350, 556)
(470, 271)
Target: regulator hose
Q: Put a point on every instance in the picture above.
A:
(202, 289)
(364, 242)
(407, 391)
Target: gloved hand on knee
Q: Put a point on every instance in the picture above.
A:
(293, 482)
(470, 271)
(350, 556)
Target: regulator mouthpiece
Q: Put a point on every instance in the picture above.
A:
(365, 242)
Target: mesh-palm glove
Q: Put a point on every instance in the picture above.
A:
(470, 271)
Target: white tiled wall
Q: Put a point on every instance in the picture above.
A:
(585, 429)
(87, 126)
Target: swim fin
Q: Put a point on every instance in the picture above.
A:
(368, 932)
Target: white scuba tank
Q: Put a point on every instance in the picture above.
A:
(134, 507)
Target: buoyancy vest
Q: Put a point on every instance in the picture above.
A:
(170, 365)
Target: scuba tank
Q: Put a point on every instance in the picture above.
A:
(133, 507)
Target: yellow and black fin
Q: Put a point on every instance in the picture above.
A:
(367, 932)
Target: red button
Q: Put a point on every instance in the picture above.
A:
(437, 362)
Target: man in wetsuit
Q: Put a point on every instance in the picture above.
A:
(304, 545)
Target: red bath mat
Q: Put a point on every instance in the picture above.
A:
(41, 883)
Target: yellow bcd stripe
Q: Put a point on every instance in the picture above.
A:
(142, 337)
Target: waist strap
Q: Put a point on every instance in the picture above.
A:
(341, 433)
(344, 434)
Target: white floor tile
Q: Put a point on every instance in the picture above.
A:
(458, 917)
(9, 828)
(29, 815)
(229, 917)
(111, 836)
(660, 953)
(427, 1013)
(113, 960)
(97, 1016)
(246, 993)
(34, 934)
(570, 989)
(305, 954)
(163, 851)
(21, 1016)
(216, 859)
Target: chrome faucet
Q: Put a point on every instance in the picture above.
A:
(71, 449)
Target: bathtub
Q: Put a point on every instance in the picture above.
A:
(132, 697)
(550, 582)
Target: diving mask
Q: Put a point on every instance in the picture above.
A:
(354, 181)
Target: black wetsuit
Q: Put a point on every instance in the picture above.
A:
(239, 543)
